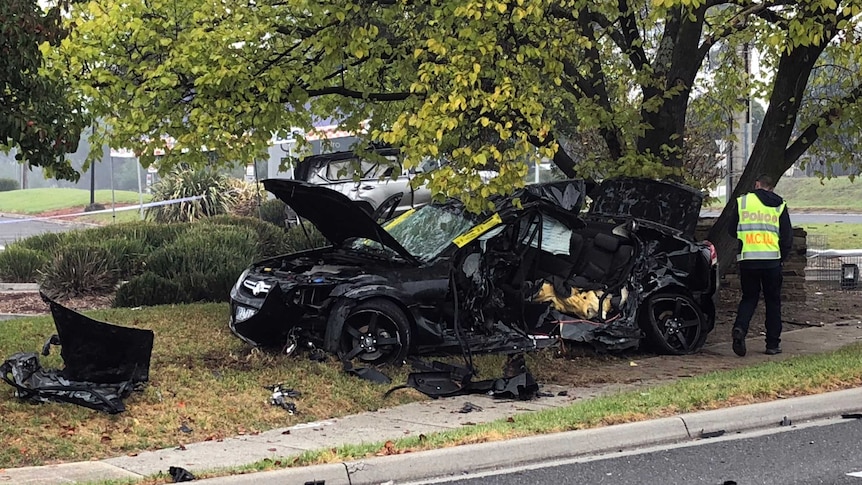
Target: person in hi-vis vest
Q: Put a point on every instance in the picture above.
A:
(761, 223)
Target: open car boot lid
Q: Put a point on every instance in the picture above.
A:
(667, 203)
(335, 216)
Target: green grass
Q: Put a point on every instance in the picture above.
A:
(35, 201)
(838, 235)
(214, 384)
(802, 375)
(838, 194)
(796, 376)
(108, 218)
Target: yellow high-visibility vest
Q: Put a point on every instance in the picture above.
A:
(758, 229)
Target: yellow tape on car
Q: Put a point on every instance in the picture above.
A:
(477, 231)
(398, 220)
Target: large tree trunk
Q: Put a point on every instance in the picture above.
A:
(677, 63)
(770, 155)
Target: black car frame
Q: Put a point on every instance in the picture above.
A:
(441, 280)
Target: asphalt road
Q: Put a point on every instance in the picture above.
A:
(12, 231)
(819, 453)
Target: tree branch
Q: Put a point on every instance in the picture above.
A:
(826, 118)
(350, 93)
(739, 21)
(629, 27)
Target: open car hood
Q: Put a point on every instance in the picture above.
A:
(337, 217)
(667, 203)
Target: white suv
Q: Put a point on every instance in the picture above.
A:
(374, 189)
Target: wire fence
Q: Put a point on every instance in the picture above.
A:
(837, 269)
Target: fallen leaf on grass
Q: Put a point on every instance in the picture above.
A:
(106, 439)
(388, 449)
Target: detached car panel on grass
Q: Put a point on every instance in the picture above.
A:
(440, 280)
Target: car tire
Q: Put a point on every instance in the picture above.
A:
(376, 332)
(673, 323)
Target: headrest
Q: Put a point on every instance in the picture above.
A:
(606, 242)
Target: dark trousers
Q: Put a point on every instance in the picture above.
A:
(752, 281)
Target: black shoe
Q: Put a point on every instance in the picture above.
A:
(738, 341)
(773, 350)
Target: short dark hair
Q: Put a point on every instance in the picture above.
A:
(766, 181)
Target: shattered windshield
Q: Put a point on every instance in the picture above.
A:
(424, 233)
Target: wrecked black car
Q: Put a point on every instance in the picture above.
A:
(440, 280)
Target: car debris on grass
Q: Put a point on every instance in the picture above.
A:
(104, 363)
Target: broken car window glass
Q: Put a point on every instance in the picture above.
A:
(426, 232)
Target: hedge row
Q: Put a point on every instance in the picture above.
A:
(159, 263)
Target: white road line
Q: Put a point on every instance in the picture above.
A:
(855, 474)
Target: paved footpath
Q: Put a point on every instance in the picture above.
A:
(443, 414)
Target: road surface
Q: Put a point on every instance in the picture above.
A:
(812, 454)
(13, 231)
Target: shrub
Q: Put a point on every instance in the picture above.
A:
(128, 253)
(247, 197)
(204, 249)
(147, 289)
(271, 240)
(272, 211)
(19, 264)
(8, 184)
(214, 187)
(79, 269)
(44, 243)
(203, 263)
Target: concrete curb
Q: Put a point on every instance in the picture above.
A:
(19, 287)
(455, 461)
(12, 316)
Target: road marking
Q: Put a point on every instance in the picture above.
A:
(855, 474)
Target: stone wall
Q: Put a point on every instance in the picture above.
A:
(794, 268)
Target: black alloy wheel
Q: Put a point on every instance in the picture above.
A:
(376, 332)
(674, 324)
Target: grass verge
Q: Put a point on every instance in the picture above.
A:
(35, 201)
(797, 376)
(201, 376)
(837, 194)
(108, 218)
(838, 235)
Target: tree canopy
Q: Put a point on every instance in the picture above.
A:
(38, 115)
(603, 88)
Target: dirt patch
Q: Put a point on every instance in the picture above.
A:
(27, 303)
(821, 304)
